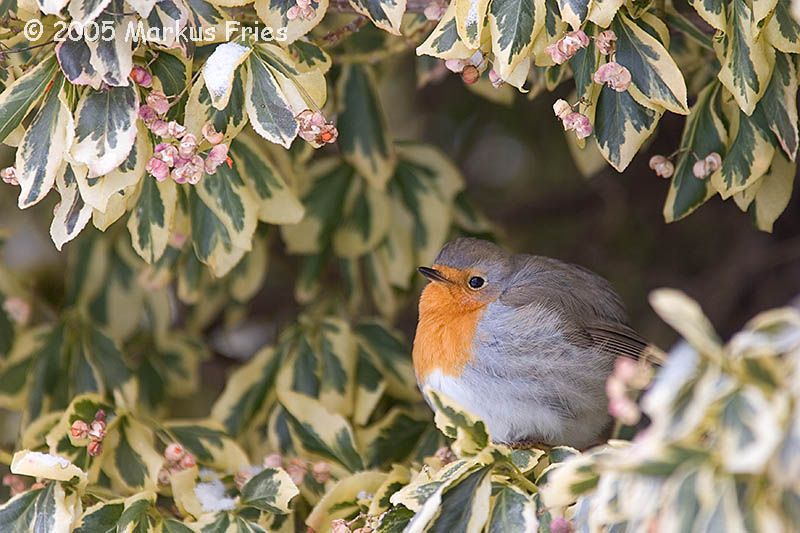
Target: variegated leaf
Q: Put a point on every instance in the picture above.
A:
(135, 517)
(98, 191)
(750, 430)
(102, 516)
(21, 96)
(42, 147)
(86, 10)
(365, 221)
(363, 135)
(782, 30)
(341, 500)
(142, 7)
(427, 183)
(273, 13)
(773, 192)
(574, 12)
(777, 109)
(171, 74)
(200, 111)
(105, 128)
(219, 70)
(51, 7)
(166, 21)
(464, 505)
(604, 11)
(226, 194)
(747, 158)
(653, 71)
(514, 25)
(470, 21)
(309, 56)
(318, 432)
(391, 356)
(704, 133)
(470, 433)
(26, 511)
(72, 213)
(151, 217)
(712, 11)
(444, 41)
(270, 490)
(746, 58)
(336, 350)
(621, 125)
(248, 276)
(277, 202)
(209, 443)
(112, 59)
(212, 242)
(385, 14)
(133, 462)
(247, 390)
(392, 438)
(267, 107)
(552, 30)
(584, 64)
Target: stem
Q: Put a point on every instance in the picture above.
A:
(520, 478)
(412, 6)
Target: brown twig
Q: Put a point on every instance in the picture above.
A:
(412, 6)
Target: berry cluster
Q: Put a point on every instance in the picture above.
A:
(94, 431)
(611, 73)
(703, 167)
(315, 129)
(176, 459)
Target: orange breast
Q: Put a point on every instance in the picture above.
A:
(446, 329)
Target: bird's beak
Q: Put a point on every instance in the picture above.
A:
(432, 274)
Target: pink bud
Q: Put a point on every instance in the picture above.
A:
(196, 170)
(495, 79)
(606, 42)
(614, 75)
(218, 153)
(572, 42)
(455, 65)
(701, 169)
(188, 146)
(147, 113)
(293, 12)
(556, 54)
(562, 108)
(175, 130)
(141, 77)
(188, 461)
(17, 309)
(340, 526)
(80, 429)
(158, 168)
(9, 175)
(561, 525)
(166, 152)
(321, 471)
(579, 123)
(273, 460)
(173, 452)
(159, 128)
(97, 430)
(212, 135)
(158, 101)
(297, 471)
(434, 11)
(95, 448)
(662, 166)
(713, 161)
(307, 13)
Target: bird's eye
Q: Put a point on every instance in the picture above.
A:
(476, 282)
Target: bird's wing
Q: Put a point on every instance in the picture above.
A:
(593, 313)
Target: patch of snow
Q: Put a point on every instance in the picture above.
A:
(212, 497)
(219, 68)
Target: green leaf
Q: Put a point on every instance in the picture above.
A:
(512, 510)
(514, 25)
(363, 134)
(135, 517)
(20, 97)
(207, 440)
(101, 517)
(471, 21)
(653, 71)
(392, 438)
(773, 192)
(267, 107)
(105, 128)
(131, 460)
(464, 505)
(270, 490)
(746, 58)
(51, 508)
(341, 501)
(470, 433)
(621, 125)
(703, 134)
(166, 21)
(151, 217)
(220, 69)
(86, 10)
(42, 147)
(230, 120)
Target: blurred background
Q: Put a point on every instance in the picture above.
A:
(521, 175)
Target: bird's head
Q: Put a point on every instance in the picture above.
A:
(468, 273)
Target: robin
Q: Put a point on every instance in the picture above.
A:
(524, 342)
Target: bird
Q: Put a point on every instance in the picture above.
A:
(524, 342)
